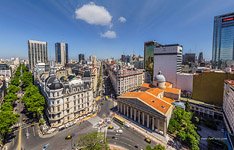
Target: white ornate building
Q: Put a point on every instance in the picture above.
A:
(67, 101)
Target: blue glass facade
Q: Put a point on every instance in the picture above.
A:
(59, 55)
(223, 39)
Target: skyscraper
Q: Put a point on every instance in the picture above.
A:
(189, 58)
(81, 58)
(200, 57)
(61, 53)
(223, 39)
(168, 60)
(37, 52)
(149, 57)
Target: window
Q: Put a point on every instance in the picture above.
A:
(67, 105)
(58, 102)
(58, 108)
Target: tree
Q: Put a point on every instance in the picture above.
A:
(13, 89)
(92, 141)
(10, 97)
(181, 125)
(159, 147)
(187, 106)
(7, 119)
(156, 147)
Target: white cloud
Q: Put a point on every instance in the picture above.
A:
(122, 19)
(94, 14)
(109, 34)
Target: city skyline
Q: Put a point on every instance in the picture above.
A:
(72, 22)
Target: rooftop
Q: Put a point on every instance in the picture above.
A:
(172, 90)
(231, 82)
(149, 100)
(154, 91)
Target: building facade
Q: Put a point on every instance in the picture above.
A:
(189, 58)
(151, 106)
(37, 53)
(149, 57)
(67, 101)
(125, 79)
(223, 37)
(5, 70)
(81, 58)
(228, 105)
(168, 59)
(61, 53)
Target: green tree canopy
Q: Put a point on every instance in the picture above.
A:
(92, 141)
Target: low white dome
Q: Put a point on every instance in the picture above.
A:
(160, 77)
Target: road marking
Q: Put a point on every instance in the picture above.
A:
(34, 131)
(19, 139)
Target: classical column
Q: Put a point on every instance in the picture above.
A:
(131, 109)
(124, 109)
(127, 111)
(165, 128)
(147, 121)
(121, 108)
(158, 124)
(118, 107)
(153, 123)
(139, 116)
(134, 114)
(143, 118)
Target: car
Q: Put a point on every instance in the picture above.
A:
(68, 137)
(127, 125)
(147, 140)
(110, 127)
(119, 131)
(115, 138)
(45, 147)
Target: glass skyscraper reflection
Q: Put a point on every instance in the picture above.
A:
(223, 39)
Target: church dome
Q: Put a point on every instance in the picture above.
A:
(160, 77)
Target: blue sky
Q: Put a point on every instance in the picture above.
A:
(108, 28)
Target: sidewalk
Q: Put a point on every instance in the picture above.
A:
(54, 133)
(153, 136)
(116, 147)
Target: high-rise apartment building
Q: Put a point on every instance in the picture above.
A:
(37, 52)
(81, 58)
(189, 58)
(168, 59)
(61, 53)
(228, 105)
(223, 39)
(149, 57)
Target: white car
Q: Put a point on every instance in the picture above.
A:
(127, 125)
(119, 131)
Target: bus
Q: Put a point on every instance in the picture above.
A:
(119, 120)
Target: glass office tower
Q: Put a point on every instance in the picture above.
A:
(223, 39)
(149, 57)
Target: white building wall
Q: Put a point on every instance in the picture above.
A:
(167, 65)
(184, 81)
(167, 60)
(228, 106)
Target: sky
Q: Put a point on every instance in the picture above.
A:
(108, 28)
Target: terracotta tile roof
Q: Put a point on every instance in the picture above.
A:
(169, 100)
(168, 84)
(154, 91)
(146, 85)
(173, 90)
(150, 100)
(231, 82)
